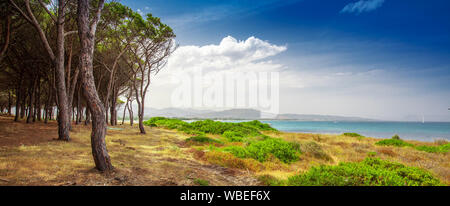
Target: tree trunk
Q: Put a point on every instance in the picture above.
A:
(130, 111)
(9, 102)
(86, 32)
(63, 110)
(124, 110)
(87, 119)
(38, 100)
(31, 93)
(18, 106)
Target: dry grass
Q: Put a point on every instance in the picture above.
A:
(152, 159)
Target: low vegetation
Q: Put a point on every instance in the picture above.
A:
(435, 149)
(394, 142)
(201, 182)
(352, 134)
(286, 152)
(369, 172)
(441, 147)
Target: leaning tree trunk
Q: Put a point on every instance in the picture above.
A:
(86, 32)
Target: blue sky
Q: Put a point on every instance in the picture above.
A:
(391, 58)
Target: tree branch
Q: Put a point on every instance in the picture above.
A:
(48, 11)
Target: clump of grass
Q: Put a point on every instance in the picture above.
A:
(369, 172)
(201, 182)
(371, 154)
(226, 159)
(315, 150)
(394, 141)
(286, 152)
(270, 180)
(351, 134)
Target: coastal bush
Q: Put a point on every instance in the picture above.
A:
(242, 129)
(393, 142)
(202, 139)
(286, 152)
(435, 149)
(369, 172)
(396, 137)
(352, 134)
(233, 136)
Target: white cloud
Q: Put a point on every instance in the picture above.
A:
(229, 55)
(362, 6)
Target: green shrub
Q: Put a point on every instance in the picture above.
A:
(241, 129)
(233, 136)
(352, 134)
(396, 137)
(435, 149)
(201, 182)
(286, 152)
(370, 172)
(394, 142)
(202, 139)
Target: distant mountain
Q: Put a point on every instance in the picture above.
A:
(313, 117)
(237, 114)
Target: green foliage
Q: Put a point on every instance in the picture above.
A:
(352, 134)
(396, 137)
(270, 180)
(394, 142)
(435, 149)
(370, 172)
(286, 152)
(232, 131)
(233, 136)
(202, 139)
(371, 154)
(201, 182)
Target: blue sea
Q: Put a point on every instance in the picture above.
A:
(428, 131)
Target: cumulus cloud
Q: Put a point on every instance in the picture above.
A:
(229, 55)
(362, 6)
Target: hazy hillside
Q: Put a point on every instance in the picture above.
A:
(236, 114)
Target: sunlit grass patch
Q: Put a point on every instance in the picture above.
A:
(226, 159)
